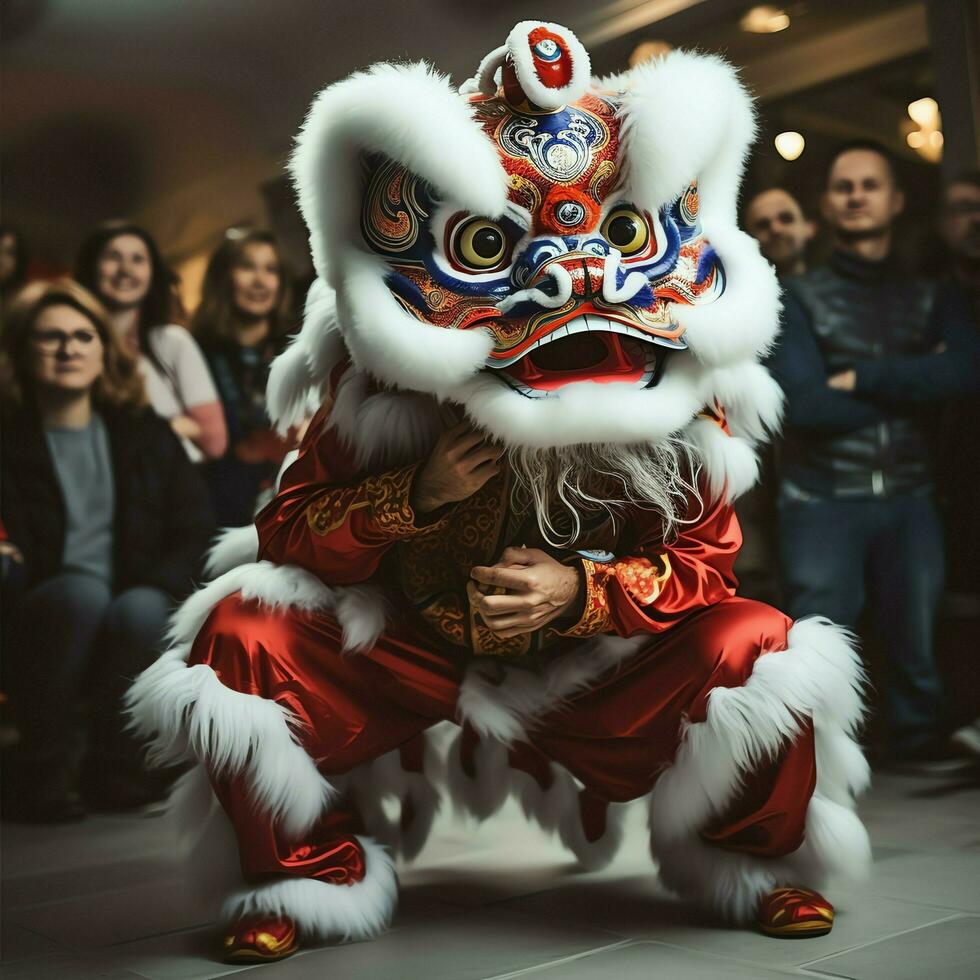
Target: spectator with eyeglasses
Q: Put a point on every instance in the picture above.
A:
(105, 521)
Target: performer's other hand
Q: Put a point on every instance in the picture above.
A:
(460, 463)
(539, 589)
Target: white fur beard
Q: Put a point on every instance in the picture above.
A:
(563, 485)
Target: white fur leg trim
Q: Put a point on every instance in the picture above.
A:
(233, 546)
(482, 793)
(206, 846)
(504, 711)
(186, 712)
(360, 610)
(479, 704)
(189, 713)
(323, 911)
(596, 854)
(275, 586)
(412, 793)
(818, 676)
(555, 809)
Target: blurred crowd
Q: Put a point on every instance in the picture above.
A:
(869, 512)
(131, 431)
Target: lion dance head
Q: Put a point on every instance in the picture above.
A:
(555, 253)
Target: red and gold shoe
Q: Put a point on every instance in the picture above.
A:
(260, 938)
(795, 913)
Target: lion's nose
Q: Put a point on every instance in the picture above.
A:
(588, 280)
(560, 277)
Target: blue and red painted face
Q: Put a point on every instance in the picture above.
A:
(574, 282)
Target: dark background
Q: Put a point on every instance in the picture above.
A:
(180, 113)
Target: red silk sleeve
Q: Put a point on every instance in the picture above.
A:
(331, 521)
(662, 583)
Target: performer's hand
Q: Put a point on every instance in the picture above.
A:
(460, 463)
(539, 589)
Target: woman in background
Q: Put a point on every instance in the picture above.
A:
(105, 521)
(242, 325)
(120, 263)
(13, 262)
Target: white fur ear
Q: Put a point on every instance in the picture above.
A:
(407, 113)
(520, 49)
(685, 116)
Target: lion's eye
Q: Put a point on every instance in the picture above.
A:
(478, 244)
(626, 230)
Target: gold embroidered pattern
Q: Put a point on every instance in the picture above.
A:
(435, 564)
(447, 617)
(388, 497)
(640, 577)
(332, 509)
(595, 612)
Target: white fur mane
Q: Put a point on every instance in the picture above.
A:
(684, 116)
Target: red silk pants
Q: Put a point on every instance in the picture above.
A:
(615, 737)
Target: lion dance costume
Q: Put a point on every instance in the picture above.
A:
(554, 257)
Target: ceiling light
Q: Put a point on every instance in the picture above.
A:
(764, 19)
(789, 145)
(927, 140)
(925, 112)
(647, 51)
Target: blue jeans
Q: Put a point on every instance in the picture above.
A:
(836, 555)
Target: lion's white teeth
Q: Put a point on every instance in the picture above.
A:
(585, 323)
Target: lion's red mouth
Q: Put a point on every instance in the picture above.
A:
(585, 349)
(598, 357)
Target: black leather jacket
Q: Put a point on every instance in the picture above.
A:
(878, 439)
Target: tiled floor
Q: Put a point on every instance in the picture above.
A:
(103, 899)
